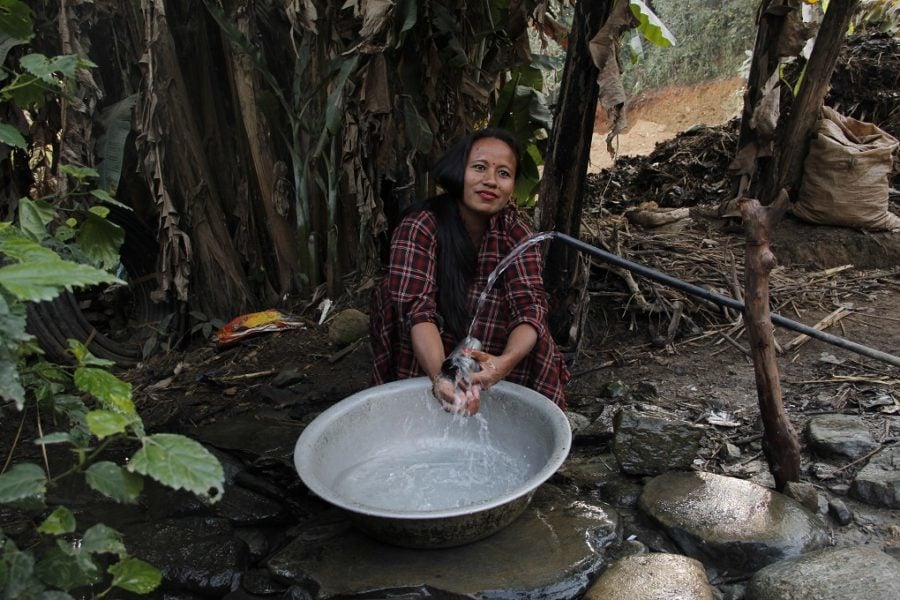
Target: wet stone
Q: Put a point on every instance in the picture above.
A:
(577, 422)
(840, 512)
(804, 493)
(619, 492)
(587, 470)
(649, 445)
(854, 573)
(348, 326)
(558, 546)
(260, 582)
(840, 435)
(730, 452)
(600, 430)
(197, 555)
(878, 483)
(730, 523)
(653, 577)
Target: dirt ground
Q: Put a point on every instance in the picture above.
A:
(658, 115)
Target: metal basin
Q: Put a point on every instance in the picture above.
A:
(413, 475)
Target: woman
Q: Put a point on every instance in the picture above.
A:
(441, 256)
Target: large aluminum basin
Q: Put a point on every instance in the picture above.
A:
(413, 475)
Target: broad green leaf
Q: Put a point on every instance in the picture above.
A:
(45, 280)
(105, 197)
(10, 384)
(64, 233)
(418, 133)
(11, 136)
(334, 111)
(180, 463)
(115, 482)
(103, 423)
(34, 216)
(135, 575)
(22, 481)
(67, 570)
(12, 335)
(650, 26)
(100, 239)
(84, 358)
(44, 68)
(17, 578)
(80, 173)
(113, 393)
(60, 521)
(26, 90)
(406, 13)
(110, 146)
(18, 247)
(15, 20)
(102, 539)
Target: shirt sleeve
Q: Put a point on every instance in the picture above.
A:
(412, 271)
(524, 283)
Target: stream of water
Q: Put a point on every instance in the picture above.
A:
(502, 266)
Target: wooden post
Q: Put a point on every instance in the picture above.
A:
(794, 137)
(568, 153)
(780, 443)
(569, 149)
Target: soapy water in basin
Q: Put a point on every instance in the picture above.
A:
(437, 473)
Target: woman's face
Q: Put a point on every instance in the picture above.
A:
(490, 179)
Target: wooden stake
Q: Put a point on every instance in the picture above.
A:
(779, 440)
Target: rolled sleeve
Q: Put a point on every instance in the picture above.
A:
(525, 290)
(412, 271)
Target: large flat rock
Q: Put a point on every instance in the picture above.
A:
(656, 576)
(854, 573)
(731, 523)
(554, 550)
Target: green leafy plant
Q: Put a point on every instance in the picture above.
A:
(61, 242)
(98, 410)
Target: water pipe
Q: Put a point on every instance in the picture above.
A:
(725, 300)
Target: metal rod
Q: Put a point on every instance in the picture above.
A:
(725, 300)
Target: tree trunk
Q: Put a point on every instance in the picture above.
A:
(183, 183)
(569, 150)
(271, 174)
(779, 442)
(794, 137)
(763, 64)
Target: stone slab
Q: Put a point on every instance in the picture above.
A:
(853, 573)
(554, 550)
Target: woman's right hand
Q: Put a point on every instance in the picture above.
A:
(457, 397)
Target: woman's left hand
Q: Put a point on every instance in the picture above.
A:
(492, 369)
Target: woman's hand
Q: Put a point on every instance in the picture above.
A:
(457, 397)
(493, 369)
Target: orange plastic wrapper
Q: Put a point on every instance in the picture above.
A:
(255, 323)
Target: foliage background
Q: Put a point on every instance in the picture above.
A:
(714, 39)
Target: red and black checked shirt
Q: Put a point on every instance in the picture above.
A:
(408, 296)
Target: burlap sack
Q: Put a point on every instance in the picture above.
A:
(846, 175)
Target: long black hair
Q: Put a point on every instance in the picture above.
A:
(457, 254)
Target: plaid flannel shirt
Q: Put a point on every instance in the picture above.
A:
(408, 296)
